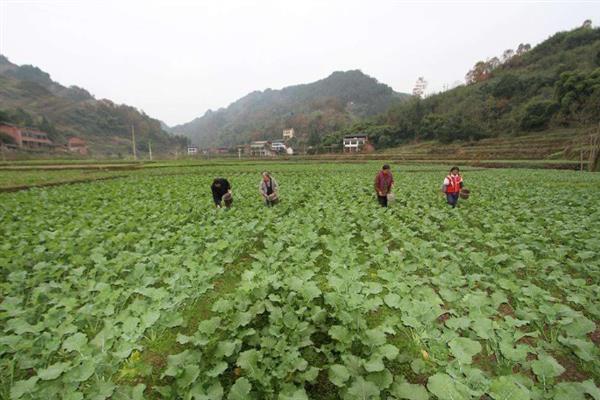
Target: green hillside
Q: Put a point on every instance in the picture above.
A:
(555, 85)
(29, 97)
(311, 109)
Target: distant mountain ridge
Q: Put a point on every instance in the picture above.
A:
(28, 96)
(551, 86)
(311, 109)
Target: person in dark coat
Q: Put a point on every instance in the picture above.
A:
(221, 191)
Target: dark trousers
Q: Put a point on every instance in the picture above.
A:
(452, 199)
(382, 200)
(218, 201)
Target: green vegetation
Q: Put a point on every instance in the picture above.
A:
(30, 98)
(554, 85)
(138, 288)
(311, 109)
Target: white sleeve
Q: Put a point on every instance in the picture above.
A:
(446, 181)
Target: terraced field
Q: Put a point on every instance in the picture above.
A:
(137, 287)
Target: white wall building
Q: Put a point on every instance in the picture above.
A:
(355, 143)
(288, 133)
(261, 148)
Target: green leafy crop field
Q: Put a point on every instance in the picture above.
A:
(138, 287)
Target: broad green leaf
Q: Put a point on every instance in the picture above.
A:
(363, 390)
(23, 387)
(508, 388)
(292, 392)
(392, 300)
(188, 376)
(101, 390)
(389, 351)
(584, 349)
(338, 374)
(81, 372)
(53, 371)
(138, 392)
(374, 337)
(446, 388)
(248, 361)
(483, 327)
(340, 333)
(240, 389)
(410, 391)
(175, 363)
(547, 367)
(217, 370)
(458, 323)
(464, 349)
(580, 327)
(225, 349)
(75, 342)
(383, 379)
(374, 364)
(590, 388)
(568, 391)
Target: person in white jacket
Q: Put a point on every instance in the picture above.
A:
(268, 189)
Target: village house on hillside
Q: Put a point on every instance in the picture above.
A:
(192, 150)
(288, 133)
(356, 144)
(281, 148)
(261, 148)
(77, 145)
(27, 137)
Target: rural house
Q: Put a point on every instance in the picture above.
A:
(77, 145)
(355, 143)
(288, 133)
(192, 150)
(261, 148)
(27, 137)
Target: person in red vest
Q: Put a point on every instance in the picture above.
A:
(383, 185)
(452, 185)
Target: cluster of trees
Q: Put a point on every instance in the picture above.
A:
(31, 98)
(483, 70)
(327, 105)
(20, 117)
(555, 84)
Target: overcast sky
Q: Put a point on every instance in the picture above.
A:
(177, 59)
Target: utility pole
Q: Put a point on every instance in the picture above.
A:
(133, 142)
(239, 153)
(150, 149)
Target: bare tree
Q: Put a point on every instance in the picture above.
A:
(523, 48)
(420, 86)
(507, 55)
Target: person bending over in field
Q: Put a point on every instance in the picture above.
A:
(452, 185)
(383, 185)
(221, 191)
(268, 189)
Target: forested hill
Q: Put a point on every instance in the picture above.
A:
(29, 97)
(556, 84)
(311, 109)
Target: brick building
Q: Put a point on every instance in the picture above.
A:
(77, 145)
(26, 137)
